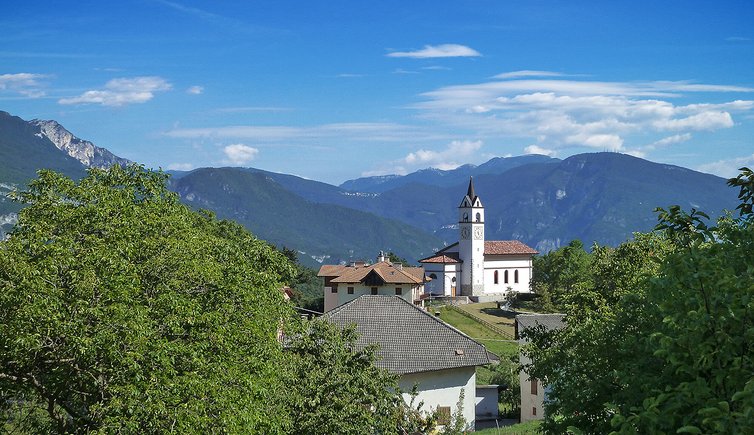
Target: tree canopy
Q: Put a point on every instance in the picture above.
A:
(122, 310)
(660, 342)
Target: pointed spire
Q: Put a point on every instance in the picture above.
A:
(471, 194)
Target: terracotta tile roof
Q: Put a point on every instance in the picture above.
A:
(410, 339)
(507, 247)
(388, 272)
(451, 257)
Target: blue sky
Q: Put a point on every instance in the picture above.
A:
(334, 90)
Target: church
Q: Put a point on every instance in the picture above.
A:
(483, 270)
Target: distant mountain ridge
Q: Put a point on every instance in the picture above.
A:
(444, 178)
(84, 151)
(542, 201)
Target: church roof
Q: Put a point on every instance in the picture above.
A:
(387, 271)
(492, 247)
(507, 247)
(410, 339)
(450, 257)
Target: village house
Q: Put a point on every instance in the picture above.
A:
(422, 349)
(533, 392)
(344, 283)
(483, 270)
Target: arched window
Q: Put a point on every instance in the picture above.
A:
(478, 217)
(505, 277)
(515, 276)
(495, 277)
(465, 217)
(433, 275)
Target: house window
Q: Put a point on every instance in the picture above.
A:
(505, 277)
(496, 277)
(515, 276)
(534, 411)
(534, 386)
(398, 291)
(374, 290)
(333, 289)
(350, 290)
(443, 415)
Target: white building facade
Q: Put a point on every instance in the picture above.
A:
(482, 269)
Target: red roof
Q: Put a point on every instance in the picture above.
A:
(451, 257)
(507, 247)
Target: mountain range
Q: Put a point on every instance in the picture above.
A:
(542, 201)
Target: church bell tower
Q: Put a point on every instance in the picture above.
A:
(471, 243)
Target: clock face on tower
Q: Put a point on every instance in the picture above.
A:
(478, 233)
(465, 232)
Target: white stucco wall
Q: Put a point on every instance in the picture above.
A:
(522, 264)
(443, 284)
(443, 388)
(408, 292)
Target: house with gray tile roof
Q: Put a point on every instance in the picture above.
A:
(419, 347)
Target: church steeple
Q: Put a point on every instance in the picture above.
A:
(470, 193)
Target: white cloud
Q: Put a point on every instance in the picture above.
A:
(122, 91)
(727, 168)
(357, 131)
(240, 154)
(559, 113)
(527, 73)
(180, 167)
(435, 51)
(26, 84)
(195, 90)
(670, 140)
(535, 149)
(454, 155)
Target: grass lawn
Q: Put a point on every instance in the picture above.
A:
(489, 312)
(528, 428)
(493, 341)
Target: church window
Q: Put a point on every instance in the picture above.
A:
(534, 386)
(398, 291)
(374, 290)
(496, 277)
(465, 217)
(478, 217)
(534, 411)
(433, 275)
(515, 276)
(350, 290)
(505, 277)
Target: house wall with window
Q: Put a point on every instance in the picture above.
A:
(442, 388)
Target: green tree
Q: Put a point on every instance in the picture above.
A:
(334, 386)
(123, 311)
(559, 274)
(663, 343)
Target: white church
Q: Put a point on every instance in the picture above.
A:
(482, 269)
